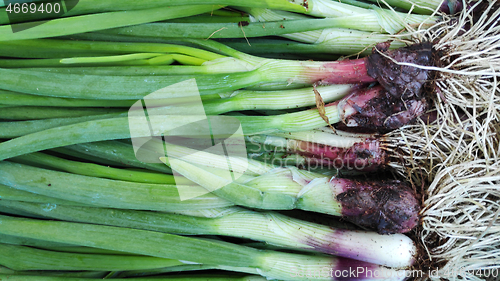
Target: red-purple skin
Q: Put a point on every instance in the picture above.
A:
(363, 156)
(451, 6)
(376, 109)
(386, 206)
(336, 249)
(358, 270)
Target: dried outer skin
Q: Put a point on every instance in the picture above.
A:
(376, 109)
(388, 207)
(401, 81)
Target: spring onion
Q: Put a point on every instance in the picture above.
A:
(269, 227)
(388, 206)
(271, 264)
(356, 152)
(234, 101)
(248, 71)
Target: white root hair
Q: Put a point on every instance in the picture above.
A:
(458, 151)
(462, 221)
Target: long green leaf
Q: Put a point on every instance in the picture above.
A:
(102, 192)
(26, 258)
(100, 21)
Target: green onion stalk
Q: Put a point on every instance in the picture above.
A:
(96, 21)
(102, 192)
(280, 157)
(89, 15)
(244, 70)
(240, 100)
(21, 258)
(405, 151)
(260, 185)
(43, 160)
(10, 193)
(16, 99)
(65, 152)
(269, 227)
(284, 48)
(31, 242)
(269, 264)
(70, 49)
(136, 87)
(122, 152)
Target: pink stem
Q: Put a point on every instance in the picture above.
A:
(341, 72)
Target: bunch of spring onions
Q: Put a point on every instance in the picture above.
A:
(207, 140)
